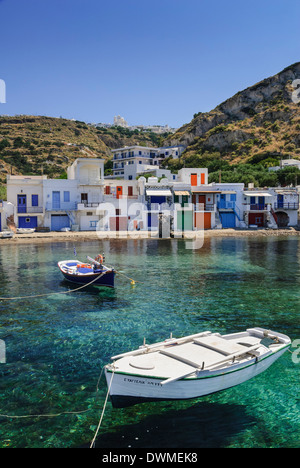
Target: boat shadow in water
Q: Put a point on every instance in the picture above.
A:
(203, 425)
(91, 289)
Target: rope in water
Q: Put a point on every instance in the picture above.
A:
(103, 410)
(52, 293)
(54, 415)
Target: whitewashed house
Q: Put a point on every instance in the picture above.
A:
(272, 207)
(61, 199)
(27, 195)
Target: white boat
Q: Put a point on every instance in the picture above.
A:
(6, 234)
(25, 230)
(192, 366)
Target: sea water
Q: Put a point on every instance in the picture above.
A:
(57, 344)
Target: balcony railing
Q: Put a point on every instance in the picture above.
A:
(30, 209)
(286, 206)
(204, 207)
(226, 205)
(62, 206)
(160, 206)
(257, 207)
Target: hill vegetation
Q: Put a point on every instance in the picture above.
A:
(246, 134)
(33, 145)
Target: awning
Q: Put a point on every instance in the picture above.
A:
(181, 192)
(159, 193)
(257, 194)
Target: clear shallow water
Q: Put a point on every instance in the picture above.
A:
(56, 346)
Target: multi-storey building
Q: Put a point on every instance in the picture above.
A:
(132, 161)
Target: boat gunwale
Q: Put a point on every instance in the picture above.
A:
(91, 274)
(109, 368)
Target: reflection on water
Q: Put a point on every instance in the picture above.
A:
(56, 345)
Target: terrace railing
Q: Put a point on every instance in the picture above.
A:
(286, 205)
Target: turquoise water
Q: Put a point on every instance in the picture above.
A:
(57, 345)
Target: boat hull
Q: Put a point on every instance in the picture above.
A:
(127, 390)
(108, 279)
(79, 273)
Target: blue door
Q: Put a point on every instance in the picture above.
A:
(228, 220)
(27, 221)
(56, 200)
(59, 221)
(22, 204)
(152, 220)
(261, 203)
(222, 201)
(280, 201)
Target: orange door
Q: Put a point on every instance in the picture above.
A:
(119, 191)
(194, 181)
(202, 179)
(207, 220)
(202, 220)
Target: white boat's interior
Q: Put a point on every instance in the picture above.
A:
(74, 267)
(186, 357)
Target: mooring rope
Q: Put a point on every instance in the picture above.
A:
(103, 410)
(52, 293)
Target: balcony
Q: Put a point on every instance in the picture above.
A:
(30, 209)
(160, 206)
(257, 207)
(62, 206)
(88, 205)
(226, 205)
(286, 206)
(204, 207)
(91, 181)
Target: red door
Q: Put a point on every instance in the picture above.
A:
(194, 180)
(119, 192)
(257, 219)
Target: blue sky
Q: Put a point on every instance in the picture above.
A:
(155, 62)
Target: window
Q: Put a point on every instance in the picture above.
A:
(66, 196)
(34, 200)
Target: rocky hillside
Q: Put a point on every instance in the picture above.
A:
(36, 145)
(262, 121)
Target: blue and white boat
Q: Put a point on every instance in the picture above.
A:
(94, 273)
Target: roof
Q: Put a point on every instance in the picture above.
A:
(257, 194)
(205, 191)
